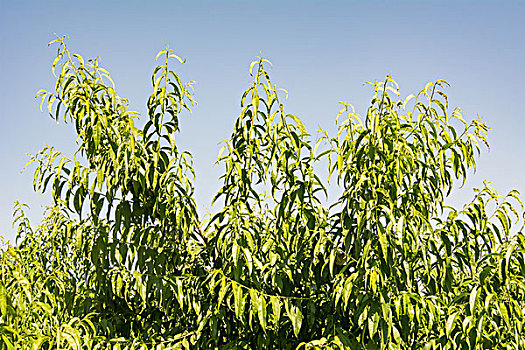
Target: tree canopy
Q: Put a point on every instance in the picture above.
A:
(122, 259)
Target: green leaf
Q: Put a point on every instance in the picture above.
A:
(295, 315)
(3, 300)
(276, 309)
(249, 260)
(472, 300)
(451, 320)
(8, 343)
(396, 336)
(382, 240)
(262, 312)
(238, 300)
(224, 289)
(179, 293)
(332, 261)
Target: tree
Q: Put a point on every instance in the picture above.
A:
(122, 259)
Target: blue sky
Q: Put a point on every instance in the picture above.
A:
(322, 52)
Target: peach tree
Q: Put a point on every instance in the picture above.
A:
(122, 259)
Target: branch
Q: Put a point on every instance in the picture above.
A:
(200, 232)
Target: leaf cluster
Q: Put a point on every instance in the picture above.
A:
(122, 260)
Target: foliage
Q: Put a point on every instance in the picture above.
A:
(123, 261)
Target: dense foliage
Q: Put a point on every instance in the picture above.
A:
(123, 261)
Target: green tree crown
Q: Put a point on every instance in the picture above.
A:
(122, 259)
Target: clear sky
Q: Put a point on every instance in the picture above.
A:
(322, 52)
